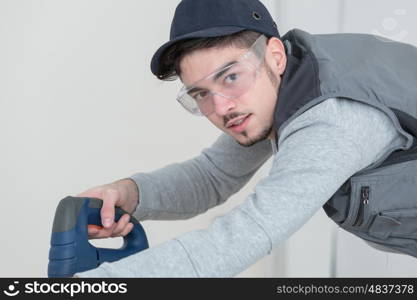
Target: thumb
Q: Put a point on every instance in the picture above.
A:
(110, 199)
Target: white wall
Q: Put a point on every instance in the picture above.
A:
(79, 107)
(392, 19)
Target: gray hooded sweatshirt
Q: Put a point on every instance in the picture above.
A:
(317, 152)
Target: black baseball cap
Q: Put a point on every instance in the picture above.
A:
(212, 18)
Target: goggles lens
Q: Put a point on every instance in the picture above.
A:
(229, 82)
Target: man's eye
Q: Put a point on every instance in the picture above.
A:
(200, 95)
(231, 78)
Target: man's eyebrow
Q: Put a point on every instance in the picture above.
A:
(223, 69)
(194, 90)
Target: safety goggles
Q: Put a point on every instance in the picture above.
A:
(230, 82)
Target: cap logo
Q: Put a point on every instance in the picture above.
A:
(256, 16)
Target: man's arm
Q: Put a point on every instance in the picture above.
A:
(183, 190)
(317, 153)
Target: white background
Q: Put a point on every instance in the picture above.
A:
(79, 107)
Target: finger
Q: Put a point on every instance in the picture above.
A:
(93, 232)
(102, 233)
(93, 229)
(110, 198)
(127, 229)
(121, 224)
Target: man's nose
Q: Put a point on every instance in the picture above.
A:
(222, 105)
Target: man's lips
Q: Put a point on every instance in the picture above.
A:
(236, 121)
(238, 125)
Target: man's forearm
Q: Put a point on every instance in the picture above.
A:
(181, 191)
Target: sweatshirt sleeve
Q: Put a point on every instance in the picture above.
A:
(318, 151)
(184, 190)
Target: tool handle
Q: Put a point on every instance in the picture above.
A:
(70, 250)
(133, 242)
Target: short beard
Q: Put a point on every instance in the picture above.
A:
(266, 132)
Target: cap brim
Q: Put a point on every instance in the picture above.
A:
(210, 32)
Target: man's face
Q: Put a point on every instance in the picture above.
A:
(249, 117)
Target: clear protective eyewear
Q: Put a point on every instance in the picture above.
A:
(229, 82)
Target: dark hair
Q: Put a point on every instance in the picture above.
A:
(169, 65)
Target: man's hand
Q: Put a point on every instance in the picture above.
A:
(124, 194)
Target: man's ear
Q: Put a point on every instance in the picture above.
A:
(276, 55)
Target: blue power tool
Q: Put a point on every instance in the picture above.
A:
(71, 251)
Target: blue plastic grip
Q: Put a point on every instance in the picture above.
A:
(71, 251)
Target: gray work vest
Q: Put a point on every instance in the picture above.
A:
(378, 203)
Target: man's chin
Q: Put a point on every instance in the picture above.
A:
(246, 140)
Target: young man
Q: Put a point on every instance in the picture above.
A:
(323, 106)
